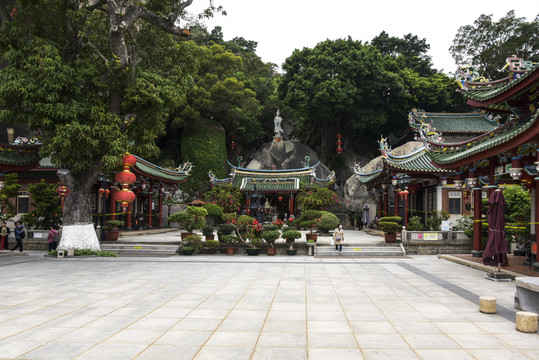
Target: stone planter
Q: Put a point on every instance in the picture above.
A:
(188, 252)
(390, 238)
(291, 252)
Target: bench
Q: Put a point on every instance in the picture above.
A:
(527, 293)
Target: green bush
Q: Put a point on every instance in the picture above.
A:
(225, 229)
(87, 252)
(188, 220)
(396, 219)
(309, 219)
(389, 227)
(268, 227)
(415, 224)
(207, 230)
(434, 221)
(192, 242)
(328, 222)
(113, 225)
(256, 242)
(231, 239)
(229, 217)
(213, 244)
(213, 210)
(465, 224)
(271, 236)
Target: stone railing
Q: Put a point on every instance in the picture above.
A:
(436, 242)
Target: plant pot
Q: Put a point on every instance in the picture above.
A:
(211, 251)
(271, 251)
(291, 252)
(230, 250)
(390, 238)
(252, 252)
(210, 237)
(188, 252)
(312, 237)
(112, 235)
(520, 253)
(185, 234)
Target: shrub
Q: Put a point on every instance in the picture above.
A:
(192, 242)
(229, 217)
(389, 227)
(396, 219)
(434, 221)
(279, 223)
(213, 244)
(465, 224)
(47, 210)
(207, 230)
(317, 199)
(87, 252)
(225, 229)
(328, 222)
(271, 236)
(270, 227)
(415, 224)
(188, 220)
(213, 210)
(256, 242)
(231, 239)
(309, 219)
(227, 197)
(113, 225)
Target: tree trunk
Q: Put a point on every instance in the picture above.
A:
(78, 230)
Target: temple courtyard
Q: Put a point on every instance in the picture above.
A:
(240, 307)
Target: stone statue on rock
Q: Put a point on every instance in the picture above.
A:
(279, 131)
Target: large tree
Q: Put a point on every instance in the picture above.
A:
(96, 78)
(487, 43)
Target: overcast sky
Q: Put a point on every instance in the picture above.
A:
(281, 26)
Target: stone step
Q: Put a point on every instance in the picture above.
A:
(360, 250)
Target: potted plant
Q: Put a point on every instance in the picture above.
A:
(390, 225)
(214, 214)
(310, 219)
(191, 244)
(255, 249)
(224, 229)
(212, 246)
(112, 232)
(328, 221)
(207, 231)
(271, 236)
(290, 236)
(230, 240)
(190, 219)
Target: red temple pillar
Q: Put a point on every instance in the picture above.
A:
(160, 219)
(291, 205)
(129, 214)
(386, 203)
(150, 200)
(406, 210)
(380, 204)
(477, 222)
(396, 202)
(112, 206)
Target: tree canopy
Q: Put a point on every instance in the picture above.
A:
(487, 43)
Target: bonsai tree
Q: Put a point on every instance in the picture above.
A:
(290, 236)
(230, 239)
(192, 218)
(328, 222)
(212, 245)
(279, 223)
(317, 199)
(271, 236)
(113, 225)
(224, 229)
(207, 230)
(390, 224)
(309, 219)
(256, 242)
(214, 213)
(192, 242)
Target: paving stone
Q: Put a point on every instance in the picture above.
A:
(331, 353)
(268, 353)
(169, 352)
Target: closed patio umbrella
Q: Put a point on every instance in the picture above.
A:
(495, 253)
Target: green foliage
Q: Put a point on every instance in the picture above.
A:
(229, 217)
(247, 226)
(487, 43)
(317, 199)
(87, 252)
(225, 229)
(256, 242)
(213, 244)
(213, 210)
(47, 206)
(415, 224)
(328, 222)
(113, 224)
(227, 198)
(291, 234)
(268, 227)
(309, 219)
(396, 219)
(434, 221)
(389, 227)
(198, 212)
(193, 242)
(187, 220)
(7, 193)
(271, 236)
(231, 239)
(465, 224)
(517, 214)
(207, 230)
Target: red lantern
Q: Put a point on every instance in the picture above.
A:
(129, 160)
(62, 192)
(339, 151)
(338, 136)
(124, 197)
(125, 177)
(339, 143)
(280, 198)
(232, 145)
(101, 192)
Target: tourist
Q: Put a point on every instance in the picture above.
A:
(52, 239)
(338, 238)
(19, 235)
(4, 233)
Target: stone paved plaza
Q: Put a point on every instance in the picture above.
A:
(219, 307)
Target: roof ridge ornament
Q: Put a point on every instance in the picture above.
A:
(186, 167)
(385, 148)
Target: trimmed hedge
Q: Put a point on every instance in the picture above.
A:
(396, 219)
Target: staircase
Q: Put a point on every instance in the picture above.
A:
(140, 248)
(360, 250)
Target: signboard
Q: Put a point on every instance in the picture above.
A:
(38, 235)
(445, 225)
(431, 236)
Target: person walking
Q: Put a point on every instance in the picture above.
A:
(338, 238)
(4, 233)
(19, 235)
(52, 239)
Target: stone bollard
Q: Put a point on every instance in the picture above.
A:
(487, 304)
(526, 322)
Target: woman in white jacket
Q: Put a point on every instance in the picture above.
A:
(338, 238)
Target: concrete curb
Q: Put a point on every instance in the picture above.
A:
(477, 266)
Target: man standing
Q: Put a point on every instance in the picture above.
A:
(19, 235)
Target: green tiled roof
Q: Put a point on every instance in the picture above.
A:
(272, 180)
(418, 162)
(454, 122)
(147, 168)
(445, 155)
(366, 178)
(19, 155)
(485, 93)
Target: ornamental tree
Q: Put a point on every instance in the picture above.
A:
(94, 79)
(47, 206)
(317, 199)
